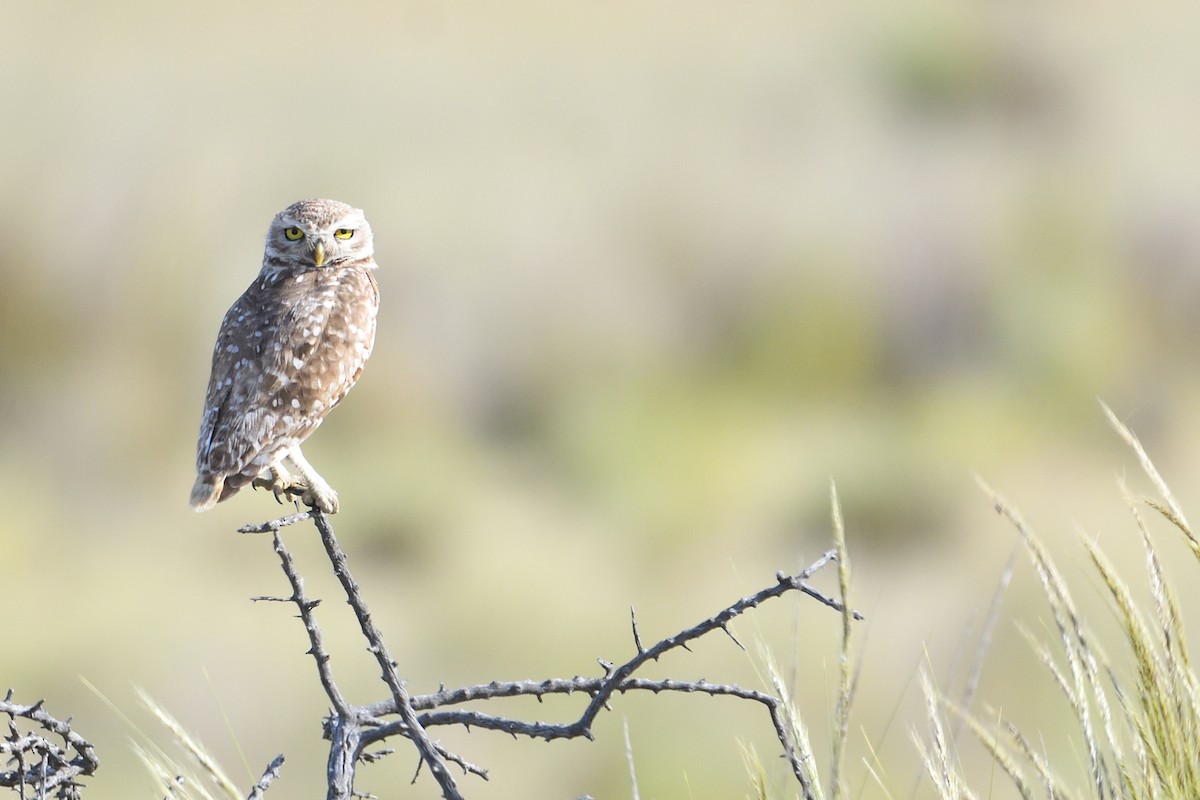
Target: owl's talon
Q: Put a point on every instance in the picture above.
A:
(280, 484)
(321, 497)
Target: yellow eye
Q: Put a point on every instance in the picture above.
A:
(294, 234)
(343, 233)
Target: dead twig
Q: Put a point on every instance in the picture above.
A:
(41, 763)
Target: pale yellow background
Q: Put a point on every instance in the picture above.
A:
(653, 273)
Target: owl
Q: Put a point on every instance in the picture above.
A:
(288, 351)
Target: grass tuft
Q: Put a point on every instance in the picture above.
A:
(1147, 750)
(1138, 721)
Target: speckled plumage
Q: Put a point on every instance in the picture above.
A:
(288, 351)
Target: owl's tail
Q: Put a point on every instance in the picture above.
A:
(207, 491)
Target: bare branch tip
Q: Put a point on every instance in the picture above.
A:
(274, 525)
(637, 637)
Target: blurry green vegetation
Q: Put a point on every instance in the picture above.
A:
(651, 277)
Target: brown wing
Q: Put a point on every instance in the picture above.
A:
(288, 351)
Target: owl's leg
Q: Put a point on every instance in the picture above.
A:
(317, 493)
(281, 483)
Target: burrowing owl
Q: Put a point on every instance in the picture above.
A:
(288, 351)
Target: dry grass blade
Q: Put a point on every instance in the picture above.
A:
(201, 756)
(1081, 661)
(874, 766)
(178, 780)
(1175, 512)
(810, 781)
(1050, 783)
(1003, 757)
(633, 782)
(758, 773)
(939, 761)
(168, 775)
(1167, 722)
(1166, 604)
(846, 675)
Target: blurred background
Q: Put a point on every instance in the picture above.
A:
(653, 275)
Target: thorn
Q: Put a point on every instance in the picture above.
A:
(637, 638)
(729, 633)
(420, 761)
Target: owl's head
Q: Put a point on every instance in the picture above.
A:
(312, 234)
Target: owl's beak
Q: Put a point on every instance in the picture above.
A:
(319, 254)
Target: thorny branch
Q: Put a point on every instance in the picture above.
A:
(346, 727)
(269, 776)
(352, 729)
(42, 764)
